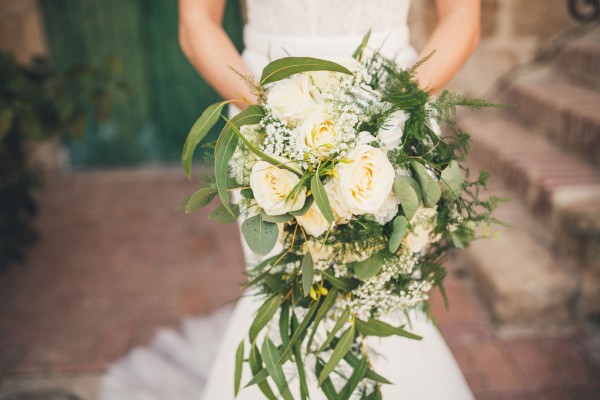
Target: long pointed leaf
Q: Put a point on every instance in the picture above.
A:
(239, 360)
(308, 272)
(360, 50)
(255, 362)
(199, 130)
(284, 324)
(345, 284)
(284, 67)
(378, 328)
(342, 320)
(264, 314)
(338, 353)
(327, 386)
(199, 199)
(322, 313)
(299, 333)
(355, 378)
(320, 195)
(304, 394)
(226, 145)
(270, 356)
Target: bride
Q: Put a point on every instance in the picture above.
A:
(330, 28)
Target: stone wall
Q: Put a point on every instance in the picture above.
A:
(513, 32)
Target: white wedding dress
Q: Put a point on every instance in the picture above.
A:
(176, 365)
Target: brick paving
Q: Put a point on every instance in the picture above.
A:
(116, 262)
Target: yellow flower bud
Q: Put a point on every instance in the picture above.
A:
(323, 290)
(313, 294)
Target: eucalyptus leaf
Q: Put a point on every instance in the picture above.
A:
(320, 195)
(355, 378)
(261, 236)
(222, 215)
(264, 314)
(408, 193)
(299, 333)
(199, 130)
(451, 180)
(270, 355)
(378, 328)
(287, 66)
(327, 386)
(339, 324)
(256, 367)
(360, 50)
(226, 145)
(338, 354)
(430, 188)
(308, 272)
(367, 268)
(284, 324)
(399, 227)
(239, 360)
(199, 199)
(346, 284)
(304, 394)
(322, 313)
(259, 377)
(276, 219)
(370, 374)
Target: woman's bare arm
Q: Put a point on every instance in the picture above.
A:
(453, 41)
(209, 49)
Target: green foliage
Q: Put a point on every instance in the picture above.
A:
(37, 104)
(284, 67)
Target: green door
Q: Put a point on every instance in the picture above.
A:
(164, 93)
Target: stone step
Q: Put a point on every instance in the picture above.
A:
(580, 59)
(558, 108)
(526, 286)
(537, 169)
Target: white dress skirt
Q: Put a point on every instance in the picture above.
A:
(419, 370)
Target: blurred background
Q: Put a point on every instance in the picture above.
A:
(96, 100)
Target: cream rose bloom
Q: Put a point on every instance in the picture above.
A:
(318, 251)
(340, 210)
(366, 181)
(388, 210)
(390, 133)
(313, 221)
(272, 185)
(318, 133)
(294, 98)
(424, 222)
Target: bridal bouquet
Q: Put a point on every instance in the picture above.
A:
(353, 196)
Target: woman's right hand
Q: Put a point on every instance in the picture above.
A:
(209, 49)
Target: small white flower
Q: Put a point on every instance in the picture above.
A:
(390, 133)
(272, 185)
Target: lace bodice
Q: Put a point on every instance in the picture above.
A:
(325, 17)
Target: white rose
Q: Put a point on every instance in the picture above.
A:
(294, 98)
(388, 210)
(340, 210)
(272, 185)
(325, 79)
(366, 181)
(390, 133)
(313, 221)
(424, 221)
(318, 133)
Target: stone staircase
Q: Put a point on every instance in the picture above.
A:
(542, 274)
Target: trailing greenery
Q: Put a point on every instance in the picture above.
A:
(37, 104)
